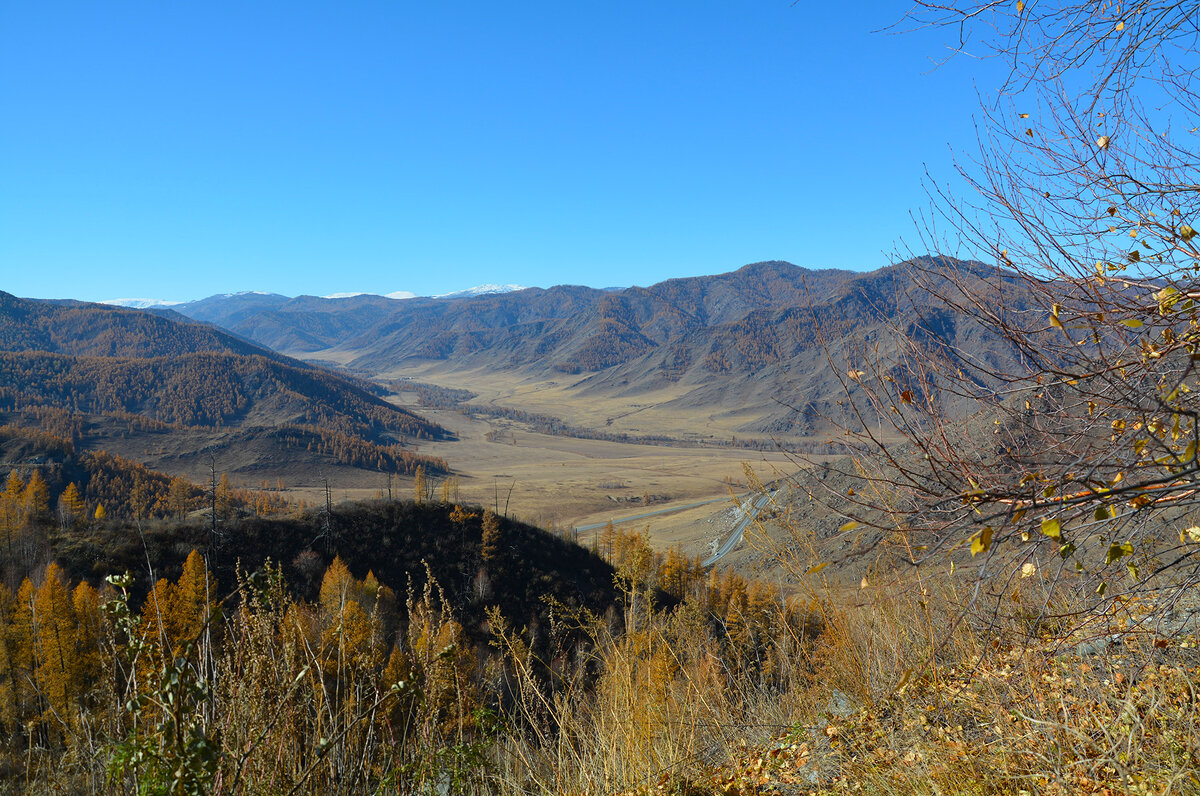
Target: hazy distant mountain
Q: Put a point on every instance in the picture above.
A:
(306, 324)
(294, 325)
(571, 329)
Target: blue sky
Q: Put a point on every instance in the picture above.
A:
(179, 150)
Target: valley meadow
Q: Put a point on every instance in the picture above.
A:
(563, 482)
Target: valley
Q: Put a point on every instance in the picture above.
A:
(566, 406)
(659, 411)
(562, 482)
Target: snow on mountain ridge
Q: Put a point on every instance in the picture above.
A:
(478, 290)
(139, 303)
(481, 290)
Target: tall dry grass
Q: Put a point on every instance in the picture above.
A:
(913, 685)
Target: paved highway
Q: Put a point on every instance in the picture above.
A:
(749, 513)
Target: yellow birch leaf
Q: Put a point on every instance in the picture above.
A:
(982, 541)
(1117, 551)
(1052, 528)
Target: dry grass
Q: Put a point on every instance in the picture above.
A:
(975, 715)
(562, 482)
(892, 688)
(566, 396)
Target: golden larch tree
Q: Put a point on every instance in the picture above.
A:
(8, 674)
(36, 499)
(71, 507)
(21, 648)
(191, 602)
(179, 497)
(12, 512)
(89, 629)
(347, 630)
(57, 672)
(419, 484)
(490, 542)
(159, 606)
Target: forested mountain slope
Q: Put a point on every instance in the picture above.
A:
(95, 374)
(98, 330)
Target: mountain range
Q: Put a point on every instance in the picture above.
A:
(754, 343)
(759, 352)
(478, 290)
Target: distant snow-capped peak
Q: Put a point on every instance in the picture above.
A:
(478, 290)
(481, 290)
(399, 294)
(140, 303)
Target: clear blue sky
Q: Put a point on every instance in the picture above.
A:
(176, 150)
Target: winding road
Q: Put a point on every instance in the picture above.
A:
(749, 512)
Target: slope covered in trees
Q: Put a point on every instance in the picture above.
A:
(88, 372)
(205, 389)
(69, 327)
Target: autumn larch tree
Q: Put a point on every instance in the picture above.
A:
(58, 673)
(71, 508)
(419, 484)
